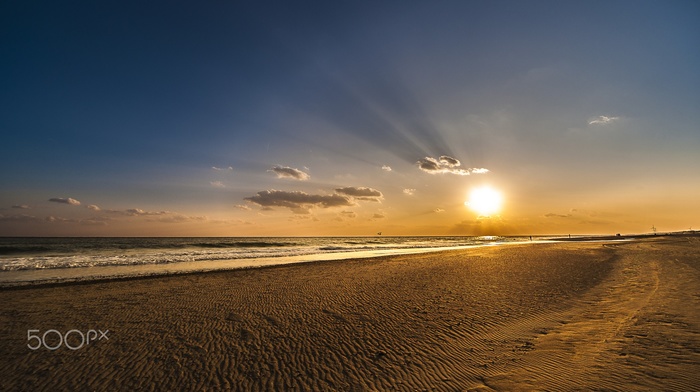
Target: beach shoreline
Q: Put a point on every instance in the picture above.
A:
(556, 316)
(78, 274)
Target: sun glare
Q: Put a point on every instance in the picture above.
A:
(485, 201)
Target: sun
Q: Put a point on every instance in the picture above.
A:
(485, 201)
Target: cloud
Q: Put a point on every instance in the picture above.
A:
(299, 202)
(179, 218)
(19, 218)
(97, 221)
(289, 172)
(602, 120)
(59, 219)
(438, 210)
(217, 184)
(242, 207)
(386, 168)
(446, 164)
(348, 214)
(409, 191)
(21, 206)
(378, 216)
(136, 212)
(449, 161)
(361, 193)
(484, 227)
(222, 169)
(140, 212)
(94, 207)
(553, 215)
(62, 200)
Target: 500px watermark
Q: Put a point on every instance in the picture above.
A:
(73, 339)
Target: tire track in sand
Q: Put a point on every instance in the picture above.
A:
(600, 344)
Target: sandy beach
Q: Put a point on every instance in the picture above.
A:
(619, 315)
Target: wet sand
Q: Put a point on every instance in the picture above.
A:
(564, 316)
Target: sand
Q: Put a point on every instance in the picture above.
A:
(564, 316)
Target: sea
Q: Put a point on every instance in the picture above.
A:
(44, 260)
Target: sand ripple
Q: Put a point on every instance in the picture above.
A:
(526, 317)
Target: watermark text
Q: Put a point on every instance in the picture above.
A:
(53, 339)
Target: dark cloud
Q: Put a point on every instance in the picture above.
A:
(21, 206)
(299, 202)
(429, 164)
(484, 227)
(446, 164)
(62, 200)
(361, 193)
(289, 172)
(447, 160)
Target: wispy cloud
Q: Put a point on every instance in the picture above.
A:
(602, 120)
(60, 219)
(299, 202)
(135, 212)
(289, 172)
(140, 212)
(348, 214)
(21, 206)
(242, 207)
(361, 193)
(386, 168)
(409, 191)
(553, 215)
(446, 164)
(96, 221)
(222, 168)
(179, 218)
(62, 200)
(19, 218)
(438, 210)
(217, 184)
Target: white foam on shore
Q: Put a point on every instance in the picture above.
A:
(56, 275)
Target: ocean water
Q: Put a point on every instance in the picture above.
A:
(55, 259)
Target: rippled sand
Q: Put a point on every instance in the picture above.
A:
(566, 316)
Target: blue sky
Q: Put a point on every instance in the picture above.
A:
(584, 113)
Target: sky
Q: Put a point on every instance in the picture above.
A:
(263, 118)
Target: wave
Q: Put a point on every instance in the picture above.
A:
(49, 253)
